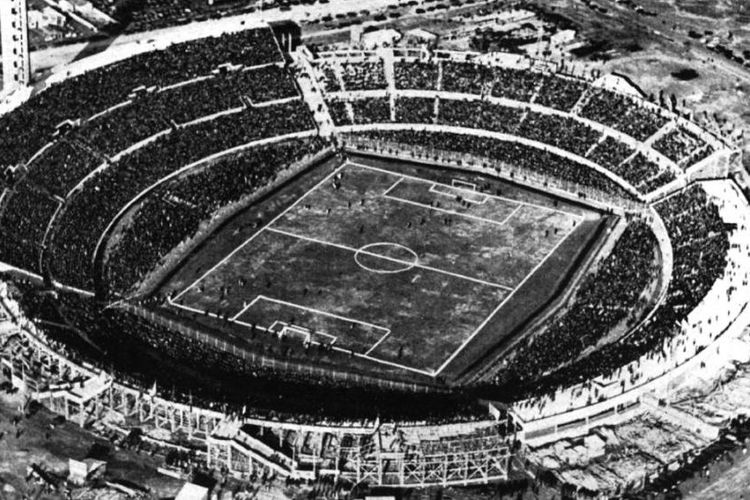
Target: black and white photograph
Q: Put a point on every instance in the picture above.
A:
(374, 250)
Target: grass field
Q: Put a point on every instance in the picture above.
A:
(395, 268)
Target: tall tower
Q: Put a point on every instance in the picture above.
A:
(14, 31)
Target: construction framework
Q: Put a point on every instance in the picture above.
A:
(374, 453)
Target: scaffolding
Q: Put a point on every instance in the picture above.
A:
(372, 453)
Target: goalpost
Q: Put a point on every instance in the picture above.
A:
(466, 190)
(300, 333)
(293, 331)
(458, 183)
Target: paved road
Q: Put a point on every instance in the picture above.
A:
(51, 58)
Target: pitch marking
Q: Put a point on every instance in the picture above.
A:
(431, 373)
(365, 250)
(443, 210)
(322, 313)
(457, 191)
(514, 212)
(392, 259)
(257, 233)
(503, 302)
(387, 191)
(376, 344)
(406, 176)
(464, 185)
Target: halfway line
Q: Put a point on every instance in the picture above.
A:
(392, 259)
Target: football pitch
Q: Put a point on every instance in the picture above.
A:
(394, 268)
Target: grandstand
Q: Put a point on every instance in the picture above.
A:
(540, 253)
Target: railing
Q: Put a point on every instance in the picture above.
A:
(262, 361)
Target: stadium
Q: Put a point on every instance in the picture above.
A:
(398, 267)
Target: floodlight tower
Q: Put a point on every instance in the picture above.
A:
(14, 31)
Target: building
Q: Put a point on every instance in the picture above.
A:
(563, 38)
(418, 37)
(191, 491)
(82, 471)
(14, 33)
(380, 38)
(45, 18)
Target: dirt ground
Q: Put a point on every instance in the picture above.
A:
(651, 50)
(728, 478)
(40, 439)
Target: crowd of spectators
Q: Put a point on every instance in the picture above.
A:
(375, 110)
(269, 83)
(147, 15)
(365, 111)
(553, 91)
(563, 132)
(415, 110)
(124, 126)
(466, 77)
(512, 154)
(636, 168)
(42, 306)
(515, 84)
(471, 78)
(23, 221)
(174, 211)
(25, 130)
(90, 210)
(644, 174)
(415, 75)
(354, 75)
(479, 114)
(151, 113)
(559, 92)
(560, 131)
(364, 75)
(548, 90)
(622, 113)
(76, 153)
(339, 112)
(329, 77)
(610, 153)
(143, 354)
(681, 146)
(661, 179)
(699, 240)
(607, 298)
(698, 156)
(700, 243)
(61, 167)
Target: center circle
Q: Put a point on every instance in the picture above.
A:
(386, 258)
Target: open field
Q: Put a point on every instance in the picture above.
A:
(396, 268)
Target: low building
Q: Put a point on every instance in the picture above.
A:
(419, 37)
(191, 491)
(46, 18)
(380, 38)
(563, 38)
(82, 471)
